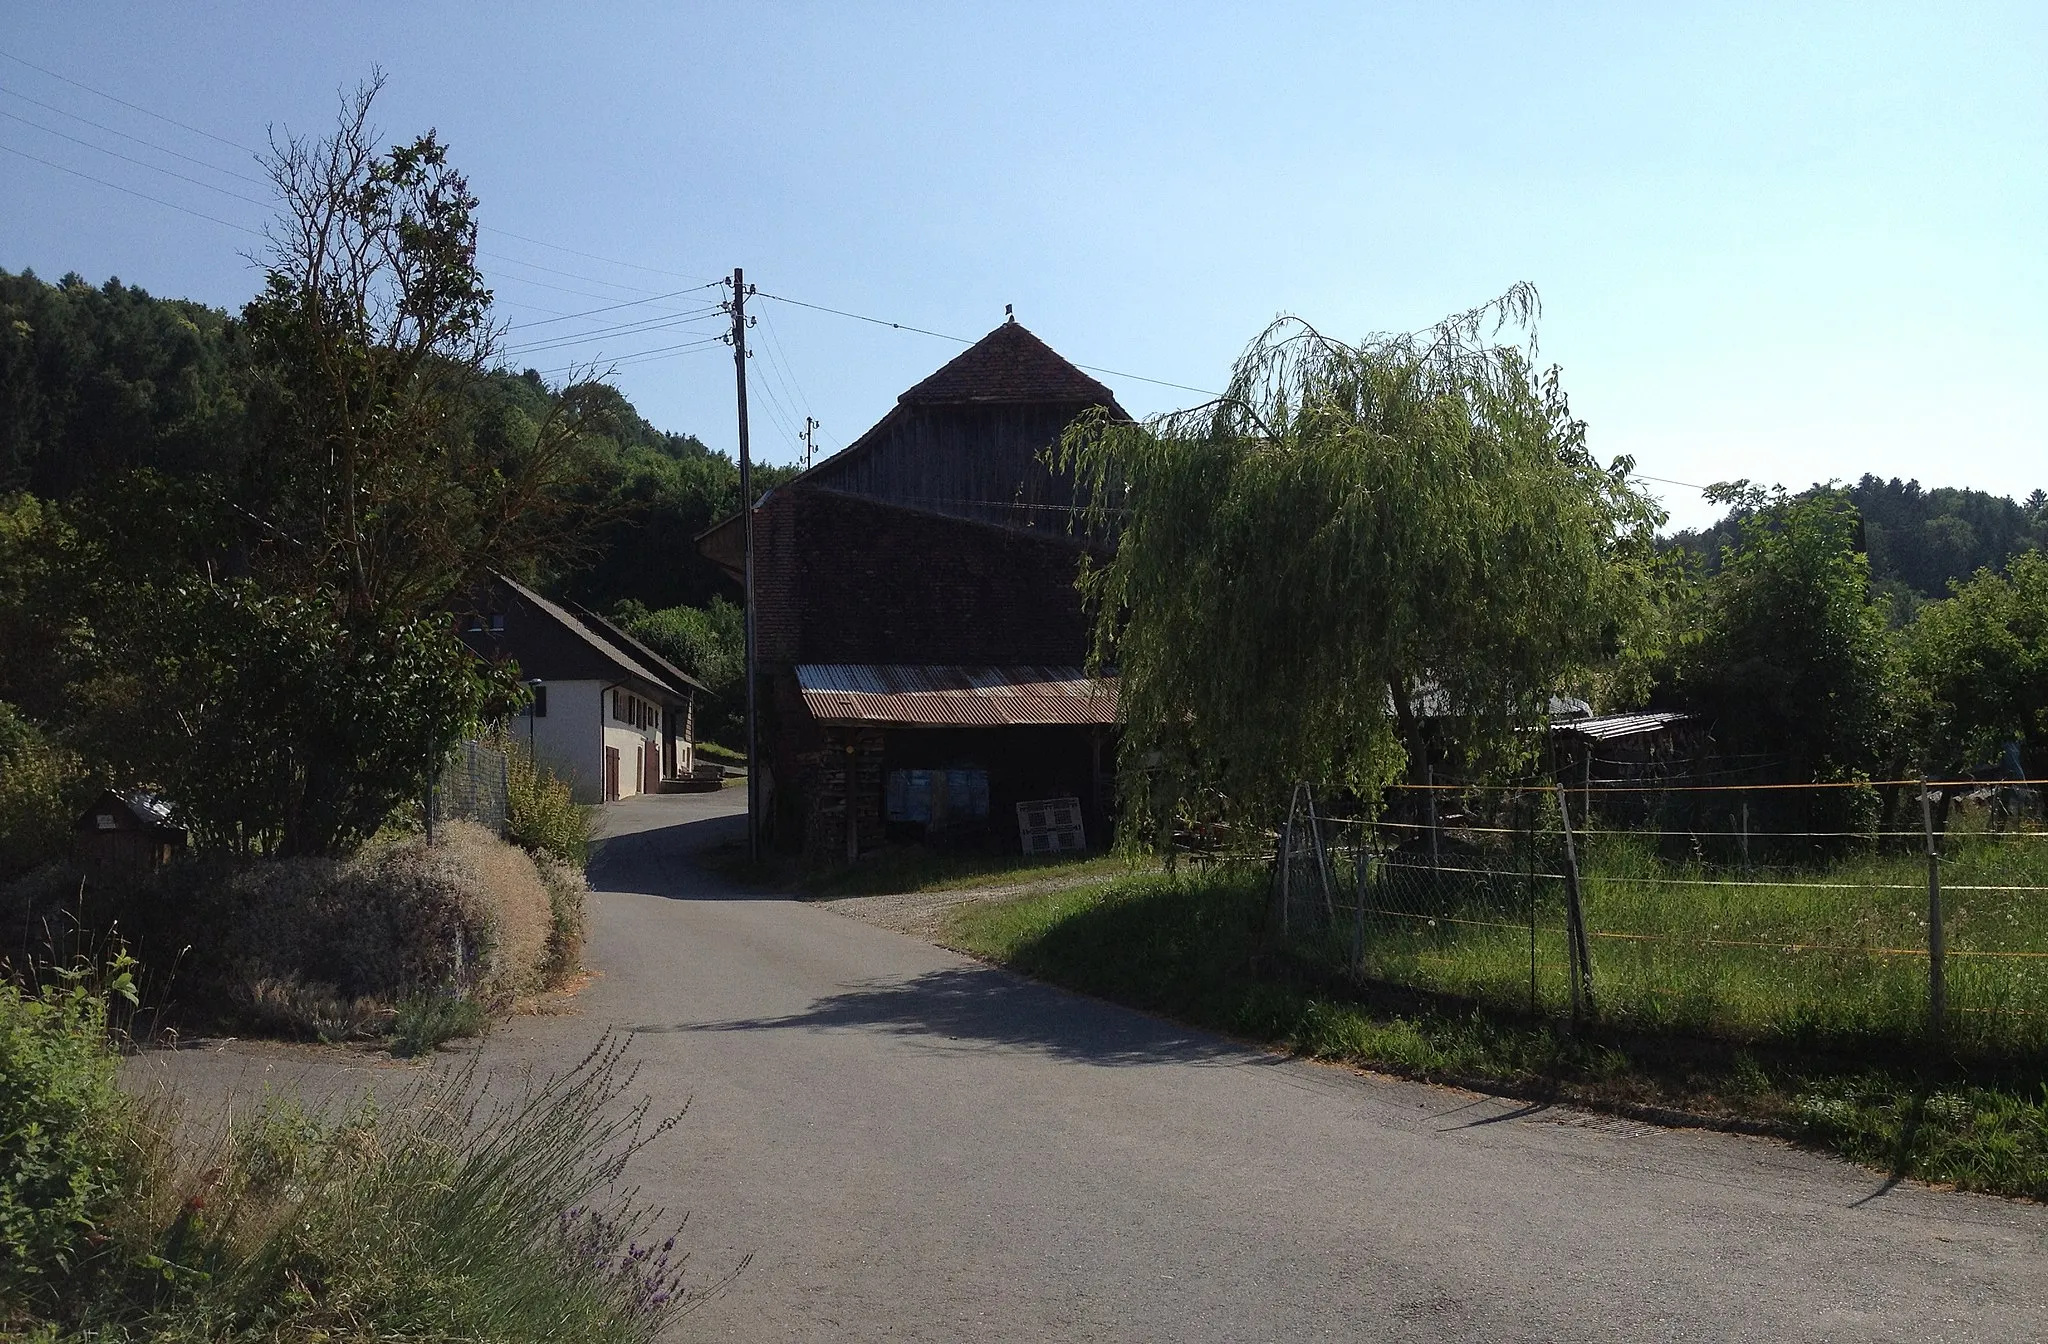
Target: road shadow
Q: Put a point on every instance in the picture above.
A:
(976, 1008)
(673, 861)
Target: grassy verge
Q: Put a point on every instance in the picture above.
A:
(1195, 947)
(900, 869)
(1682, 946)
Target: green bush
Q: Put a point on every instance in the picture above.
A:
(41, 786)
(709, 643)
(426, 1022)
(540, 814)
(61, 1119)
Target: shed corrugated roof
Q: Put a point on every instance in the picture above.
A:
(1009, 364)
(1608, 726)
(955, 696)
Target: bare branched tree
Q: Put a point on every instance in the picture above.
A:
(372, 334)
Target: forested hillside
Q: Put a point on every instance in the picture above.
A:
(100, 380)
(1918, 541)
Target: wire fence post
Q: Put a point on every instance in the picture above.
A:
(1529, 888)
(1322, 854)
(1586, 786)
(1575, 918)
(1359, 860)
(1937, 944)
(1429, 799)
(1745, 835)
(1287, 859)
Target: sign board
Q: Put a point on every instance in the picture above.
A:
(1051, 826)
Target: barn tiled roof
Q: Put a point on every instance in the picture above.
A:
(1008, 365)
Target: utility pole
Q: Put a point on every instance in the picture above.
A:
(810, 440)
(737, 306)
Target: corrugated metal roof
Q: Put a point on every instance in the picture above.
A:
(955, 696)
(1609, 726)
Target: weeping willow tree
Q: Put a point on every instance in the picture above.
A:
(1353, 542)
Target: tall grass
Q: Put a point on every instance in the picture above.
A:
(1835, 952)
(458, 1211)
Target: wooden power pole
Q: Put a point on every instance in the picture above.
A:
(738, 308)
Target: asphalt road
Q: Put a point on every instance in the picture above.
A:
(916, 1147)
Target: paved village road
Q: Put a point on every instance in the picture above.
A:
(916, 1147)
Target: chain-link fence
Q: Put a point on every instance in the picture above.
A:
(473, 786)
(1822, 912)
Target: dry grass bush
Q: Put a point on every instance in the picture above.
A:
(292, 1007)
(569, 911)
(319, 946)
(504, 882)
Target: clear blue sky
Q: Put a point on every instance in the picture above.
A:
(1782, 242)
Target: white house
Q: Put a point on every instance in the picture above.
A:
(609, 715)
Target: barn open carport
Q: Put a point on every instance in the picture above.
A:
(946, 754)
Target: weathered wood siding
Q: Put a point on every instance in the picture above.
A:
(984, 462)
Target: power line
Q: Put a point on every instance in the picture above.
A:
(125, 103)
(612, 308)
(552, 270)
(162, 149)
(778, 364)
(621, 329)
(962, 340)
(639, 357)
(592, 256)
(862, 317)
(790, 383)
(632, 329)
(129, 158)
(199, 214)
(232, 144)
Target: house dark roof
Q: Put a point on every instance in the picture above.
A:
(675, 676)
(1008, 365)
(131, 812)
(594, 636)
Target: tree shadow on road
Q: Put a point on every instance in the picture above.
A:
(672, 861)
(975, 1008)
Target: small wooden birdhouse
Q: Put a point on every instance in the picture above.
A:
(126, 833)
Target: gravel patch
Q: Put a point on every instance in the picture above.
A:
(923, 914)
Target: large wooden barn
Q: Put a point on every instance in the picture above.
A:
(919, 635)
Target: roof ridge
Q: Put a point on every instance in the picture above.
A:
(1010, 364)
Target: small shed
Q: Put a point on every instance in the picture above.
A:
(126, 833)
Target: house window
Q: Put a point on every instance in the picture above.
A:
(498, 623)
